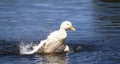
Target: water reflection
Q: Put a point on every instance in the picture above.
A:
(53, 59)
(94, 20)
(112, 1)
(106, 19)
(33, 20)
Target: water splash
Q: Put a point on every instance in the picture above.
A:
(26, 48)
(30, 48)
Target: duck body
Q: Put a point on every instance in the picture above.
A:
(54, 41)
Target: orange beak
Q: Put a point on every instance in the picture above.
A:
(72, 28)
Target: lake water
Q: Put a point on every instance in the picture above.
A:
(95, 41)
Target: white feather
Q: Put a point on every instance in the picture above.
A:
(53, 42)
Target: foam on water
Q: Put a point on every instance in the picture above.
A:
(26, 48)
(30, 48)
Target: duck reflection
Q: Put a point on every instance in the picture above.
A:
(53, 59)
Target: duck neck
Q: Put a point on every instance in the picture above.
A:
(61, 29)
(63, 33)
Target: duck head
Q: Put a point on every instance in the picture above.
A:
(67, 25)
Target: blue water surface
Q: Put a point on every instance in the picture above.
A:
(95, 41)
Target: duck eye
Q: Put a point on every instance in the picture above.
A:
(68, 24)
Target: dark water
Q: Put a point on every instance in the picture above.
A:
(95, 41)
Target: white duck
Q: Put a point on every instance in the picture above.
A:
(54, 41)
